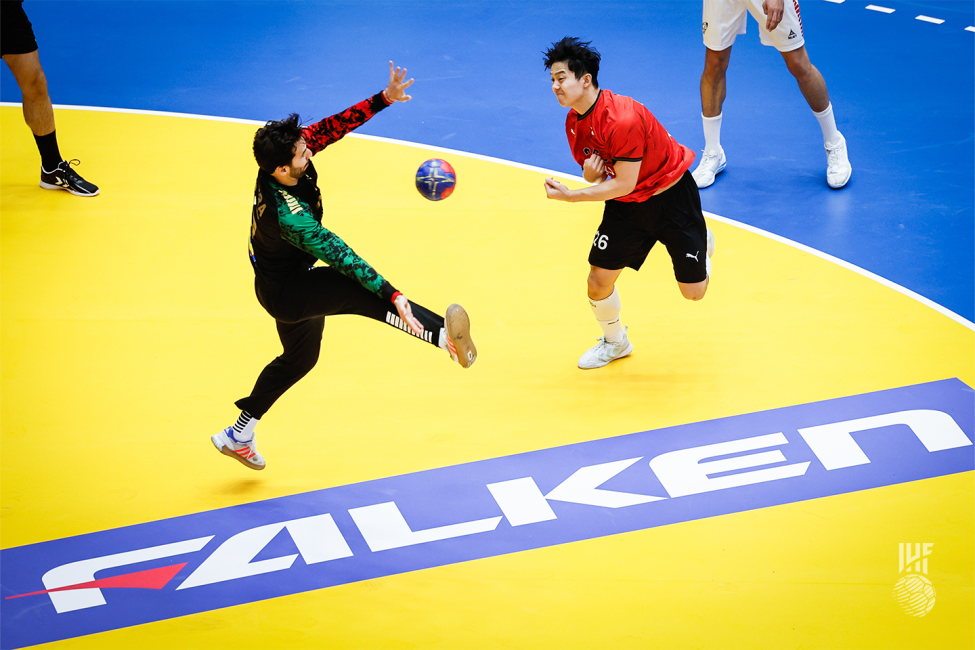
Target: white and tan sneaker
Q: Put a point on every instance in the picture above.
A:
(245, 452)
(459, 343)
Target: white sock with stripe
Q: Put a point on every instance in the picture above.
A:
(244, 427)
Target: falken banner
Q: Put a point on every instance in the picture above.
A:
(163, 569)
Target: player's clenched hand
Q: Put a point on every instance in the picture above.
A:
(773, 13)
(594, 169)
(556, 190)
(396, 90)
(406, 313)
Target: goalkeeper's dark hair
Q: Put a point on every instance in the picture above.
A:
(274, 143)
(581, 57)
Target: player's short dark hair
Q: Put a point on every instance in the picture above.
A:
(581, 57)
(274, 143)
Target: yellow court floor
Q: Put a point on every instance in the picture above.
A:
(128, 327)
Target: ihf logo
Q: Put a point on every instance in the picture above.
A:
(913, 591)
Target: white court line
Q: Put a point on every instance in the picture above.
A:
(852, 267)
(136, 111)
(454, 152)
(883, 10)
(970, 29)
(836, 2)
(929, 19)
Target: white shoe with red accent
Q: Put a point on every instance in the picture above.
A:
(245, 452)
(459, 344)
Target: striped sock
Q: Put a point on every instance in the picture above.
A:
(392, 318)
(244, 427)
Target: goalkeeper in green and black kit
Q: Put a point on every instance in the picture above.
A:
(287, 238)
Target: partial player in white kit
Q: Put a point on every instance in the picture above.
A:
(779, 26)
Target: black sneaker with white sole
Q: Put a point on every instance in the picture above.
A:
(65, 178)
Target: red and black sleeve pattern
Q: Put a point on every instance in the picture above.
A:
(331, 129)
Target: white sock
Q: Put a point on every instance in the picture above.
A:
(442, 341)
(828, 124)
(707, 264)
(244, 427)
(607, 312)
(712, 132)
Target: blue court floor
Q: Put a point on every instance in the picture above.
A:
(901, 88)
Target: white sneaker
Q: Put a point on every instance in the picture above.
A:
(459, 343)
(712, 163)
(838, 168)
(604, 352)
(245, 452)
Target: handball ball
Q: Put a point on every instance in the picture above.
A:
(435, 179)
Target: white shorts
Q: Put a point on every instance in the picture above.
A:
(725, 19)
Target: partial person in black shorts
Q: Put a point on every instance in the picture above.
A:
(19, 49)
(287, 238)
(638, 169)
(674, 218)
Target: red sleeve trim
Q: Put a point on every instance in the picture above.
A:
(395, 296)
(331, 129)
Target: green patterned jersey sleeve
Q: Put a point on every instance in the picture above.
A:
(301, 230)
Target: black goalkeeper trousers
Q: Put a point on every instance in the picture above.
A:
(299, 307)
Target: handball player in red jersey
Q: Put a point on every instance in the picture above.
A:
(640, 171)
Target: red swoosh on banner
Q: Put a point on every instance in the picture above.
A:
(151, 579)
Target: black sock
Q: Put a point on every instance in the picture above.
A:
(47, 145)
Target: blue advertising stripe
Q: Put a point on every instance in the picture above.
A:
(504, 505)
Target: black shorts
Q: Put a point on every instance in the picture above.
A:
(629, 230)
(16, 33)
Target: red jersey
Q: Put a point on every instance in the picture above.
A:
(620, 128)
